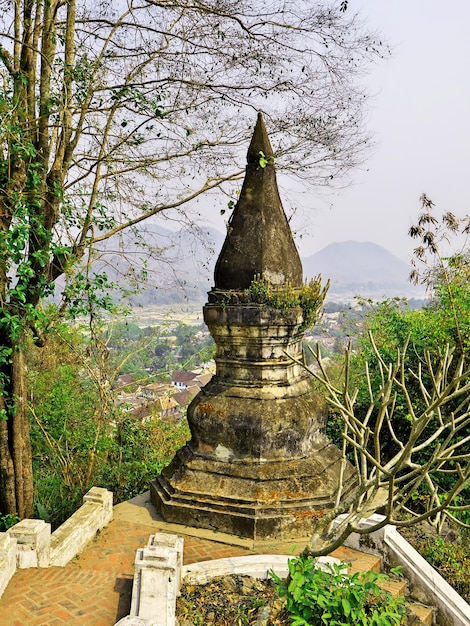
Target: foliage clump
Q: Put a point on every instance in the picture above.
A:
(452, 561)
(331, 597)
(8, 520)
(448, 554)
(310, 297)
(80, 437)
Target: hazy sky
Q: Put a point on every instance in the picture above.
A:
(420, 117)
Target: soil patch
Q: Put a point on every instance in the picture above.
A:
(448, 553)
(233, 600)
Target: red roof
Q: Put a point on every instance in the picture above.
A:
(182, 377)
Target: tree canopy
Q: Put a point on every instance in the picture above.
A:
(114, 112)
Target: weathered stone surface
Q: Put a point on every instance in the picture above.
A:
(229, 427)
(253, 565)
(258, 464)
(34, 540)
(275, 500)
(8, 547)
(73, 535)
(259, 239)
(157, 579)
(254, 345)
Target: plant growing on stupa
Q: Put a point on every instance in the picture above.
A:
(309, 297)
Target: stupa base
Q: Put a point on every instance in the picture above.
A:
(278, 500)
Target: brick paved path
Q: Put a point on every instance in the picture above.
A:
(95, 588)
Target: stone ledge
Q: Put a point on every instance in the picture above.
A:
(30, 543)
(70, 538)
(254, 565)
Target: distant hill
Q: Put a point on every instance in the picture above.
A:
(361, 268)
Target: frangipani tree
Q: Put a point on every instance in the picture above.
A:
(391, 477)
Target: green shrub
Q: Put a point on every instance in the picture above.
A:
(331, 597)
(55, 499)
(8, 520)
(139, 453)
(451, 560)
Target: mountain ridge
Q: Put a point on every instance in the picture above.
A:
(366, 267)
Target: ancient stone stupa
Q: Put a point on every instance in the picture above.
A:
(259, 464)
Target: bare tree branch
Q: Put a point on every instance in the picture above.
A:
(433, 447)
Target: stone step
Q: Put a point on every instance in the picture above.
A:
(362, 562)
(359, 561)
(396, 586)
(424, 613)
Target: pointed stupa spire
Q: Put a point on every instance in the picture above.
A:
(259, 239)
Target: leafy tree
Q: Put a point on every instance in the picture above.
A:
(114, 112)
(123, 333)
(445, 276)
(79, 437)
(185, 333)
(68, 439)
(129, 346)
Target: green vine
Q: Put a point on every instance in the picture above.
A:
(309, 297)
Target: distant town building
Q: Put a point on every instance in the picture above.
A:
(181, 380)
(123, 380)
(184, 380)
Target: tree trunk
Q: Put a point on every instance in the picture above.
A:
(16, 473)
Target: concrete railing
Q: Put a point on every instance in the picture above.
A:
(70, 538)
(425, 584)
(157, 578)
(31, 544)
